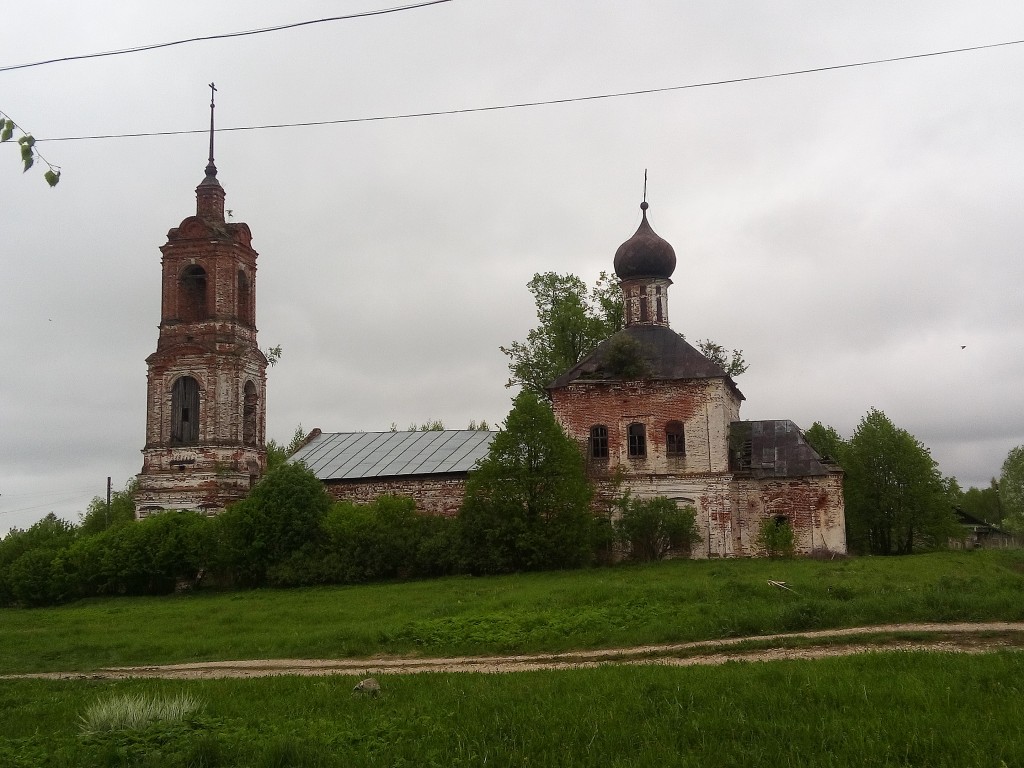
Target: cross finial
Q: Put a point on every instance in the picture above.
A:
(643, 205)
(211, 167)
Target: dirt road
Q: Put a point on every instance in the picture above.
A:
(964, 638)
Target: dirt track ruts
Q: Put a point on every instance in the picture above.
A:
(960, 637)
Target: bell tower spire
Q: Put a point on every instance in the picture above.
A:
(209, 193)
(206, 391)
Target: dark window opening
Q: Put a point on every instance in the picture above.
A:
(675, 439)
(245, 313)
(192, 294)
(637, 440)
(599, 442)
(659, 311)
(644, 315)
(249, 414)
(185, 411)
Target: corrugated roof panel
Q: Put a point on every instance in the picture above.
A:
(356, 455)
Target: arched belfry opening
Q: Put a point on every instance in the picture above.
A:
(192, 304)
(185, 411)
(250, 414)
(207, 380)
(244, 298)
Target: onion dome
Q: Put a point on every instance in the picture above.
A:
(645, 254)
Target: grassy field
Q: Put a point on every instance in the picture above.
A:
(886, 709)
(882, 709)
(667, 602)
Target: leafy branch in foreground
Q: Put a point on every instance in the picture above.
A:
(29, 153)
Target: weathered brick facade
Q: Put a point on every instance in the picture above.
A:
(434, 494)
(206, 387)
(675, 430)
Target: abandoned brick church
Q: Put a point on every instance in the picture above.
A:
(646, 408)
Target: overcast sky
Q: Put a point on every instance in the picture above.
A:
(856, 232)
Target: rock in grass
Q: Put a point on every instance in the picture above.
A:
(369, 686)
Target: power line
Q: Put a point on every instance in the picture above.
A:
(278, 28)
(548, 102)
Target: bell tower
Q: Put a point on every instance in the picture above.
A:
(206, 390)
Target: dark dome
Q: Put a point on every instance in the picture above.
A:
(645, 254)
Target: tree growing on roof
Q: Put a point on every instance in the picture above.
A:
(527, 505)
(571, 321)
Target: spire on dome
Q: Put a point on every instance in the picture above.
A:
(211, 167)
(209, 193)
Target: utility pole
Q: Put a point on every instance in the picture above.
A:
(108, 504)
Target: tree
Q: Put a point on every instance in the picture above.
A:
(280, 517)
(652, 528)
(98, 517)
(30, 569)
(896, 499)
(1011, 489)
(527, 504)
(29, 153)
(277, 453)
(731, 361)
(571, 322)
(983, 503)
(826, 441)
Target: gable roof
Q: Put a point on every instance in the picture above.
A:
(359, 455)
(667, 355)
(773, 448)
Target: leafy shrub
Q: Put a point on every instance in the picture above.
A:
(775, 537)
(281, 515)
(652, 528)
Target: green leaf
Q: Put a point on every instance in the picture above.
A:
(27, 157)
(6, 129)
(52, 177)
(28, 140)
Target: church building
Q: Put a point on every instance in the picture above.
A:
(652, 415)
(655, 416)
(206, 404)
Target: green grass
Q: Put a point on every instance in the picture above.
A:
(667, 602)
(886, 709)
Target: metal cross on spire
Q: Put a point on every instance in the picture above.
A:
(211, 168)
(643, 205)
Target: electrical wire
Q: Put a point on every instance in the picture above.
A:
(548, 102)
(223, 36)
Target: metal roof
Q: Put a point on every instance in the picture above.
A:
(359, 455)
(773, 448)
(668, 356)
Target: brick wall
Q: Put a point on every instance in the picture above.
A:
(433, 494)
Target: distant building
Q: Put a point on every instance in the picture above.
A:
(652, 415)
(980, 534)
(431, 467)
(206, 390)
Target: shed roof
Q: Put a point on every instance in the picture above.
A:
(773, 448)
(359, 455)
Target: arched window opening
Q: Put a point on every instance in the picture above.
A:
(644, 317)
(185, 411)
(244, 297)
(659, 308)
(249, 414)
(637, 440)
(675, 439)
(599, 441)
(192, 294)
